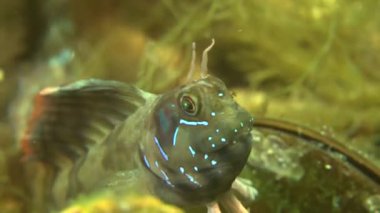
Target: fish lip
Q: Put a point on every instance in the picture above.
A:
(225, 167)
(245, 132)
(241, 138)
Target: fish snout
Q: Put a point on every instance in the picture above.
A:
(245, 120)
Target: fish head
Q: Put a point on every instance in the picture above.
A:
(201, 139)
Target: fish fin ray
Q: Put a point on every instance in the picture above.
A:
(68, 119)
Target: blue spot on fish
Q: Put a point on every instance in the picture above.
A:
(191, 178)
(175, 136)
(181, 169)
(192, 151)
(146, 162)
(193, 123)
(164, 155)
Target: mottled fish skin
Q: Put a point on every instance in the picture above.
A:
(189, 143)
(195, 156)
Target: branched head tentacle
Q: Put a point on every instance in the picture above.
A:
(192, 65)
(205, 59)
(204, 70)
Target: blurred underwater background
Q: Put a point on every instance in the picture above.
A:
(315, 63)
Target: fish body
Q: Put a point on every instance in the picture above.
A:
(188, 145)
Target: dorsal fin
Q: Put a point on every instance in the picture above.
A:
(67, 120)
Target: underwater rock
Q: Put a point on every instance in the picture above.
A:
(273, 154)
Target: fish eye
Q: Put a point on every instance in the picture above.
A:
(188, 105)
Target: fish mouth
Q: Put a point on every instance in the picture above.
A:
(230, 161)
(242, 134)
(242, 138)
(234, 152)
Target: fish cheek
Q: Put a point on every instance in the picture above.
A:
(191, 138)
(207, 139)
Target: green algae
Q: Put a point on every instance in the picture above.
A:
(314, 62)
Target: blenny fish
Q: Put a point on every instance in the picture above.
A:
(188, 144)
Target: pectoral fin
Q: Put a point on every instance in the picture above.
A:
(67, 120)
